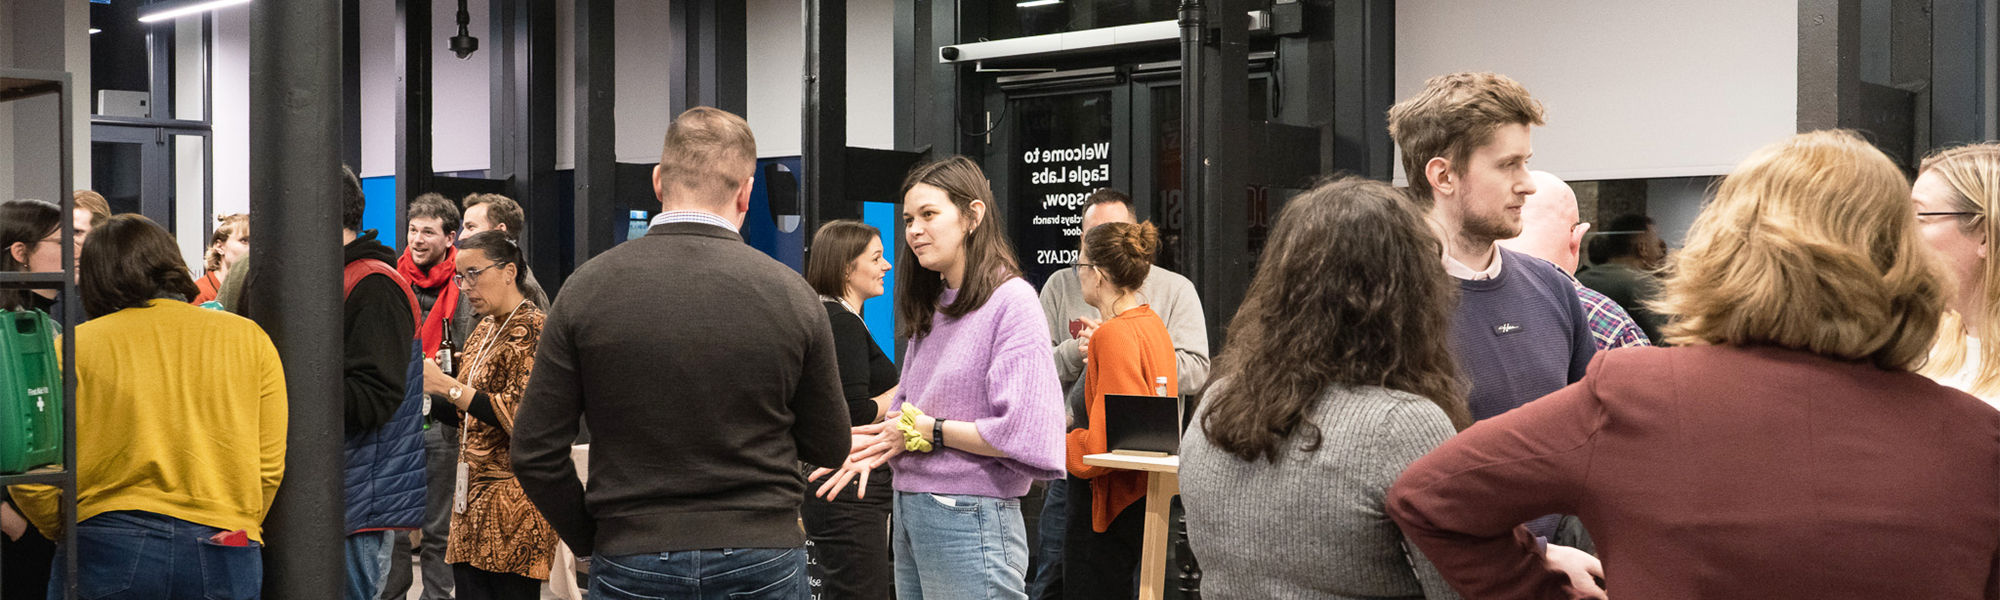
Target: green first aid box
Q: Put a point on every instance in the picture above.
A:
(31, 392)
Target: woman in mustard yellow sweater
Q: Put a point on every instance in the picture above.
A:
(180, 431)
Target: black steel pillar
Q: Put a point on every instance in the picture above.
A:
(923, 84)
(1364, 86)
(1963, 82)
(1829, 64)
(350, 83)
(825, 118)
(596, 127)
(524, 129)
(413, 107)
(1215, 75)
(295, 192)
(710, 66)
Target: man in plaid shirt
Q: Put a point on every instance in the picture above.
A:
(1551, 231)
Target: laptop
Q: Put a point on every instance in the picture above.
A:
(1143, 425)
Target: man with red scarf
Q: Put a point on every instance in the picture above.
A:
(429, 262)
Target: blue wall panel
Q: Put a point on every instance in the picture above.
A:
(380, 193)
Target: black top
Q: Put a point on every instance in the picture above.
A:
(865, 372)
(379, 334)
(708, 373)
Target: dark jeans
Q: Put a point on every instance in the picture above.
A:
(1111, 558)
(848, 539)
(1046, 580)
(726, 574)
(477, 584)
(24, 565)
(440, 476)
(134, 554)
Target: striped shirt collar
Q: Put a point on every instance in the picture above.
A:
(693, 216)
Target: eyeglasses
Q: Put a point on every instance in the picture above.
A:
(1948, 214)
(471, 275)
(1079, 265)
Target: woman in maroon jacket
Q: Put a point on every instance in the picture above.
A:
(1784, 451)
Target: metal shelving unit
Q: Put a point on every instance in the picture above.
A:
(20, 84)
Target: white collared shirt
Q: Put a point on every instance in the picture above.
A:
(1458, 270)
(692, 216)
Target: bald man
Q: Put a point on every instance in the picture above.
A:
(1552, 231)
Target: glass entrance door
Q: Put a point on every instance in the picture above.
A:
(159, 172)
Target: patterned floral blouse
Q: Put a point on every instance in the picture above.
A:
(499, 531)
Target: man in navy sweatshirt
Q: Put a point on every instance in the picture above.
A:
(1520, 332)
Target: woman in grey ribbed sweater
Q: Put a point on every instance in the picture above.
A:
(1337, 374)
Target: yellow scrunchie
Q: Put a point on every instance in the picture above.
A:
(913, 440)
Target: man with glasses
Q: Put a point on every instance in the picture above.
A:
(1551, 230)
(1071, 323)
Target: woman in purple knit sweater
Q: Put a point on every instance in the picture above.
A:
(980, 413)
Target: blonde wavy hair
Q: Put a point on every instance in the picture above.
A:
(1810, 244)
(1973, 172)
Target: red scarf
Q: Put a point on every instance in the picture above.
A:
(432, 329)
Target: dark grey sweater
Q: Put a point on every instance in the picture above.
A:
(707, 371)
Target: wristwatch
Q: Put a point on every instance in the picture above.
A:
(456, 391)
(937, 433)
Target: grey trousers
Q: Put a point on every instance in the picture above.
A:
(440, 474)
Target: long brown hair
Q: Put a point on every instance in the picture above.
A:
(989, 257)
(1350, 293)
(138, 261)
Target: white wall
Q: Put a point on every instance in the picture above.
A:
(1632, 89)
(461, 102)
(230, 91)
(777, 74)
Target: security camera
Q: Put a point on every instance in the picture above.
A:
(464, 44)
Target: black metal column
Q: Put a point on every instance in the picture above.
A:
(524, 128)
(1961, 88)
(710, 55)
(596, 127)
(350, 83)
(927, 91)
(825, 119)
(1215, 79)
(295, 192)
(1364, 86)
(1829, 64)
(413, 107)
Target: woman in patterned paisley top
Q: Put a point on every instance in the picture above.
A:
(500, 546)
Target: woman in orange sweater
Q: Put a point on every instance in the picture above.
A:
(1130, 353)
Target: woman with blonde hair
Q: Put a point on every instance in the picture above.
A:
(1956, 189)
(229, 244)
(1785, 449)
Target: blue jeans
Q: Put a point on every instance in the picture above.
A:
(959, 547)
(727, 574)
(1048, 576)
(135, 554)
(367, 556)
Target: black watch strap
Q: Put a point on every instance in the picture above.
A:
(937, 433)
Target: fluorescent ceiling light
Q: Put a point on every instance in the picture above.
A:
(95, 31)
(160, 11)
(1033, 3)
